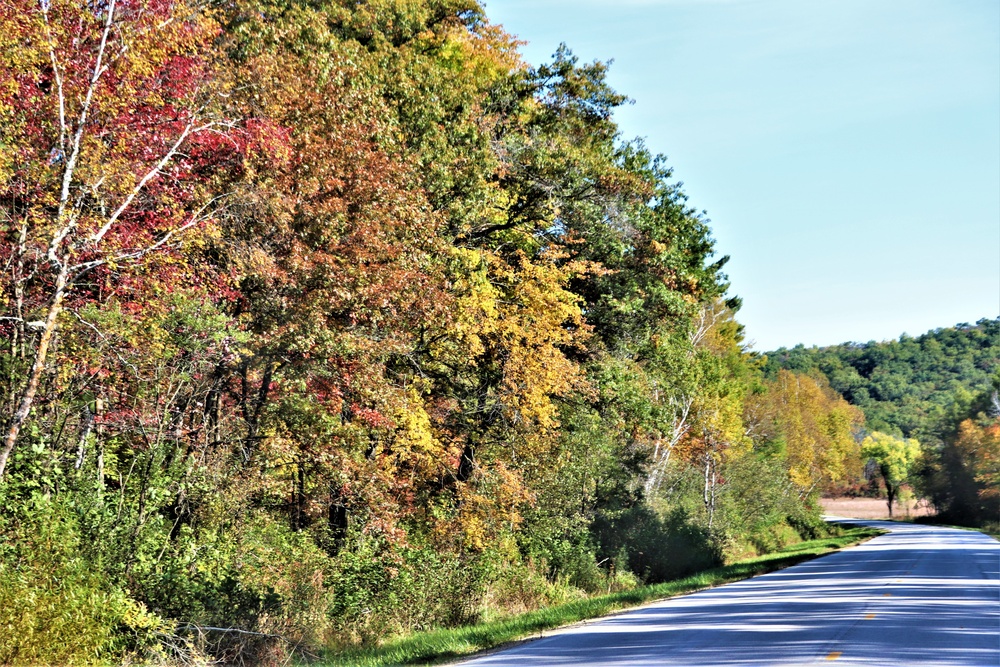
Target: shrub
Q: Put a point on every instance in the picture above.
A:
(245, 592)
(56, 606)
(653, 547)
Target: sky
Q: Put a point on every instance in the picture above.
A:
(847, 152)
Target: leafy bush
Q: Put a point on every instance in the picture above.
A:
(759, 505)
(56, 606)
(381, 590)
(654, 547)
(250, 591)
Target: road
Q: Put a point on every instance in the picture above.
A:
(919, 595)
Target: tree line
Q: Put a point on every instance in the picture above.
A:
(940, 389)
(328, 321)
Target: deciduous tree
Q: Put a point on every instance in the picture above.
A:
(895, 458)
(113, 126)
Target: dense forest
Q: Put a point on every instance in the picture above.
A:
(327, 321)
(911, 386)
(940, 388)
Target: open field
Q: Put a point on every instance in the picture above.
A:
(874, 508)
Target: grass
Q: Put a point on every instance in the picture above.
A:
(991, 528)
(437, 646)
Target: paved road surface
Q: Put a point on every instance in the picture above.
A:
(917, 596)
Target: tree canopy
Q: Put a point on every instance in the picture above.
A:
(327, 321)
(939, 388)
(895, 459)
(910, 386)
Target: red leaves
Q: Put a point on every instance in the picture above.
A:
(370, 417)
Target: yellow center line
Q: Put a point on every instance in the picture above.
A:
(833, 655)
(869, 615)
(887, 595)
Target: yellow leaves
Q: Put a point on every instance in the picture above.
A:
(719, 423)
(979, 447)
(840, 458)
(538, 319)
(483, 56)
(504, 351)
(415, 438)
(519, 315)
(254, 260)
(487, 511)
(817, 426)
(136, 615)
(280, 452)
(476, 305)
(894, 456)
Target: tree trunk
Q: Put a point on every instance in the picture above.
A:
(710, 483)
(41, 355)
(467, 464)
(890, 489)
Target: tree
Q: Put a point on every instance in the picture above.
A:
(913, 385)
(813, 425)
(962, 477)
(447, 336)
(978, 444)
(895, 458)
(110, 122)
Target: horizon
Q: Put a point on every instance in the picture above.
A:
(905, 334)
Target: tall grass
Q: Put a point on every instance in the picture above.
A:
(440, 645)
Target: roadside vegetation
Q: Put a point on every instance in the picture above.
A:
(443, 645)
(322, 323)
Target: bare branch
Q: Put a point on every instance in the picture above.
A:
(145, 179)
(85, 112)
(197, 217)
(63, 129)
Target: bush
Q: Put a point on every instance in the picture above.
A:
(56, 606)
(261, 584)
(380, 589)
(655, 548)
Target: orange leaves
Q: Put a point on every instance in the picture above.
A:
(344, 226)
(485, 514)
(978, 445)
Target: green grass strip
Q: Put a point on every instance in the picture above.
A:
(437, 646)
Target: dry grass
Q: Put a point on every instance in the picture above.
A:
(874, 508)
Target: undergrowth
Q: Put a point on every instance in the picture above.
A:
(440, 645)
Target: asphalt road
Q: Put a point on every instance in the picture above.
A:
(917, 596)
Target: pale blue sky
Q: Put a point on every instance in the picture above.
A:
(847, 152)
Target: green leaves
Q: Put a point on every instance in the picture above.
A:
(894, 456)
(916, 386)
(396, 328)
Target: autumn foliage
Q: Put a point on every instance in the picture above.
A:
(328, 321)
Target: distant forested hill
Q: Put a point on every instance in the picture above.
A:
(915, 386)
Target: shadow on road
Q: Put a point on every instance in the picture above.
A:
(920, 595)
